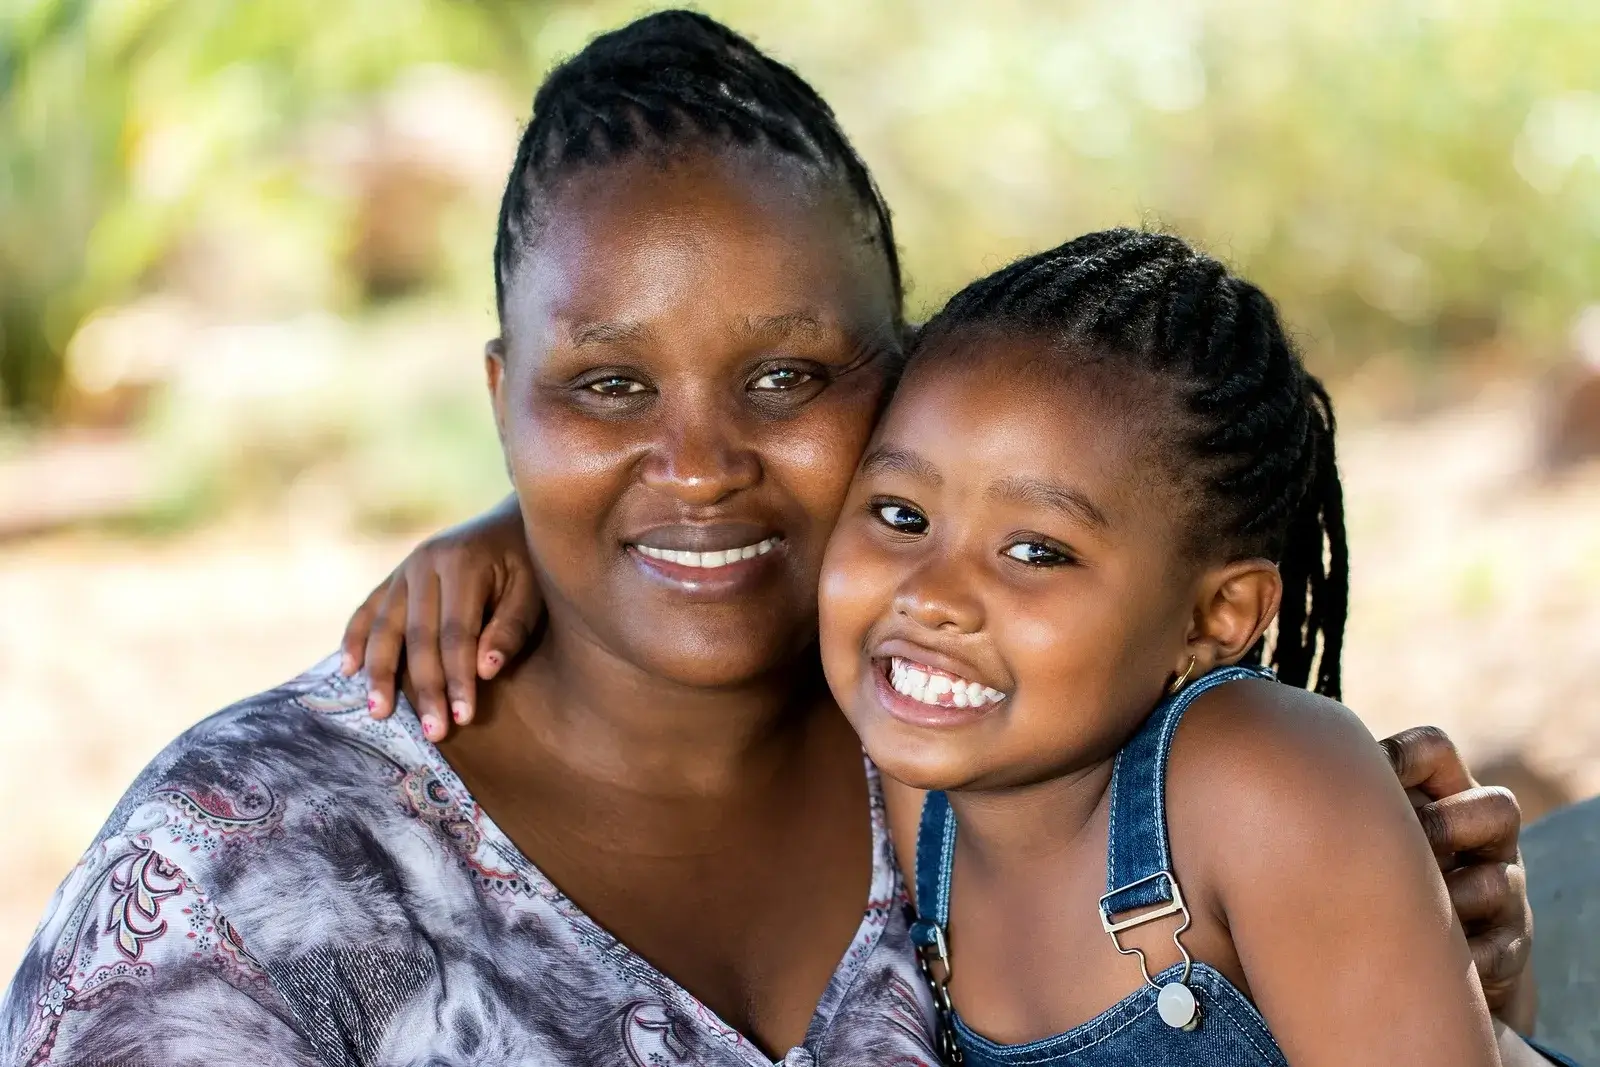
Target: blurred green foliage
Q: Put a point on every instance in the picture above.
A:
(1409, 178)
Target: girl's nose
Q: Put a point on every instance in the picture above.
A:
(702, 462)
(936, 598)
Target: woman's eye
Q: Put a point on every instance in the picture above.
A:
(1037, 554)
(616, 385)
(901, 518)
(782, 378)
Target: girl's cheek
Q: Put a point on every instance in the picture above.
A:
(850, 598)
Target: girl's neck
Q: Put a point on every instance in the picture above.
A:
(607, 718)
(1004, 828)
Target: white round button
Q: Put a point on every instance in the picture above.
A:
(1176, 1006)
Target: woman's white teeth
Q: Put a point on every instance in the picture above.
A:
(940, 689)
(709, 559)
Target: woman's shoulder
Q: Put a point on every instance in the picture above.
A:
(282, 795)
(240, 769)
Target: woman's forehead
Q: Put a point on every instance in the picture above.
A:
(712, 234)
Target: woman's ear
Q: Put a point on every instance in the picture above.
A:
(1237, 603)
(494, 366)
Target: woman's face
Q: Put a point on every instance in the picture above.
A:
(694, 351)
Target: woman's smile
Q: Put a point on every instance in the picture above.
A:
(708, 560)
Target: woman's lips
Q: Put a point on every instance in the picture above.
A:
(718, 572)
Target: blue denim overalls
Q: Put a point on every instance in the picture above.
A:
(1188, 1014)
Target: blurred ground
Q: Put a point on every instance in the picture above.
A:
(1476, 605)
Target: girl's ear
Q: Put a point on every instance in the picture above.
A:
(1236, 604)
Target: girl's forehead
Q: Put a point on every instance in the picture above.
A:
(998, 403)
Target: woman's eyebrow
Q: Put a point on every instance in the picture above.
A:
(1033, 492)
(886, 459)
(776, 327)
(591, 332)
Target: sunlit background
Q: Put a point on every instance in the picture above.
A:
(245, 280)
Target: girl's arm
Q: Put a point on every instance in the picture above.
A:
(433, 609)
(1332, 896)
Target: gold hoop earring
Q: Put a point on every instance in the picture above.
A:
(1181, 680)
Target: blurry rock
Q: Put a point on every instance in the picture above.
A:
(439, 137)
(1537, 793)
(1572, 430)
(1562, 854)
(120, 355)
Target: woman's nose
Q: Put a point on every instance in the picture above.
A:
(935, 597)
(702, 462)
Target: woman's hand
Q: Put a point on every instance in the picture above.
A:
(433, 607)
(1473, 830)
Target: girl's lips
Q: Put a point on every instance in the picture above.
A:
(914, 712)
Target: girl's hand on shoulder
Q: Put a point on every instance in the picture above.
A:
(1473, 830)
(432, 608)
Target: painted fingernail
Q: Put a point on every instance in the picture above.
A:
(459, 711)
(492, 662)
(373, 704)
(433, 729)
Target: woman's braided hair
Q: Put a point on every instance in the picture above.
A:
(1258, 436)
(670, 80)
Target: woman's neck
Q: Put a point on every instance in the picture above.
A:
(606, 718)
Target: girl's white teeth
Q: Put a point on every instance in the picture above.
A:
(709, 559)
(939, 689)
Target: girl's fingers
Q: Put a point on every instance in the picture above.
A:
(422, 656)
(384, 643)
(353, 646)
(462, 597)
(508, 632)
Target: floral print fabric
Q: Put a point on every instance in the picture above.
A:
(292, 882)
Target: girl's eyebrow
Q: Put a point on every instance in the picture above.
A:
(886, 459)
(1072, 503)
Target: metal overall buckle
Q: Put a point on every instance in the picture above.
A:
(928, 956)
(1175, 1001)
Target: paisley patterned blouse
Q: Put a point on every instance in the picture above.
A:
(292, 882)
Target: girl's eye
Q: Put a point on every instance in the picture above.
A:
(1036, 554)
(781, 378)
(615, 385)
(902, 518)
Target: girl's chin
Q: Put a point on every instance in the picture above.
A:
(918, 761)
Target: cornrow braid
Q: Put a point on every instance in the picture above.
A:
(1259, 428)
(666, 81)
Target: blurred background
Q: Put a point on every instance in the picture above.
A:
(245, 282)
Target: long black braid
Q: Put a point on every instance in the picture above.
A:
(1259, 431)
(665, 81)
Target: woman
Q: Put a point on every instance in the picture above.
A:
(700, 311)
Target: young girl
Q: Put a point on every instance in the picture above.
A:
(1103, 477)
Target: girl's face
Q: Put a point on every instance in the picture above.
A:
(693, 357)
(1004, 596)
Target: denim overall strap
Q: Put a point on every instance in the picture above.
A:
(936, 843)
(1138, 856)
(936, 848)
